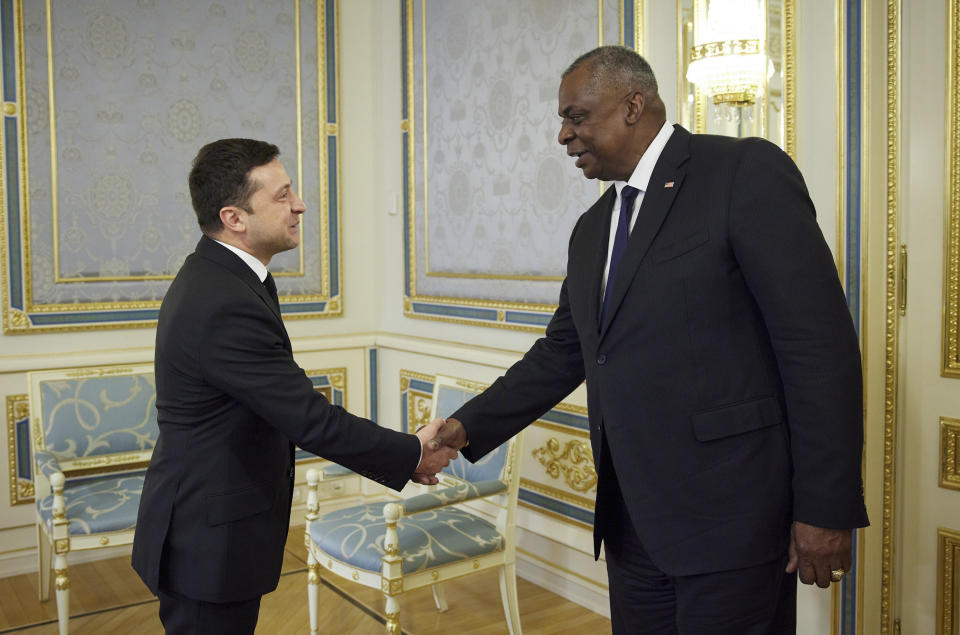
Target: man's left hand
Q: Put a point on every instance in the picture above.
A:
(816, 552)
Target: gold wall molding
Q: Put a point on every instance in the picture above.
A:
(21, 490)
(25, 311)
(573, 462)
(891, 331)
(949, 449)
(948, 580)
(951, 260)
(418, 402)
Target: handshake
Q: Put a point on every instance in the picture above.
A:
(440, 441)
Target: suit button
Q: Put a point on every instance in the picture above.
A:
(601, 360)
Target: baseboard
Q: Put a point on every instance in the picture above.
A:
(565, 586)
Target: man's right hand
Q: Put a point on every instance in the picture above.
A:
(435, 455)
(452, 433)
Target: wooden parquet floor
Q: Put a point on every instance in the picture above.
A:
(107, 597)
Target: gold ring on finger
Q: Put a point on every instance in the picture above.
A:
(836, 575)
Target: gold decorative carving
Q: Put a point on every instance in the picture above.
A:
(476, 564)
(17, 319)
(18, 409)
(418, 403)
(332, 129)
(9, 108)
(948, 580)
(391, 587)
(62, 579)
(891, 331)
(574, 462)
(61, 546)
(313, 573)
(337, 378)
(951, 260)
(393, 625)
(949, 449)
(435, 575)
(104, 540)
(355, 576)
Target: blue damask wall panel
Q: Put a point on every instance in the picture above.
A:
(107, 103)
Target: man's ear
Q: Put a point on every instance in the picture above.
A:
(233, 218)
(636, 103)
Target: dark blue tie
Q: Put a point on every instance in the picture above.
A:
(627, 196)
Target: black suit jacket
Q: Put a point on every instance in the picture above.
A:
(231, 403)
(726, 380)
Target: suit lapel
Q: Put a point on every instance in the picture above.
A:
(212, 250)
(600, 228)
(665, 181)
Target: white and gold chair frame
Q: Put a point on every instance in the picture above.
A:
(94, 430)
(385, 530)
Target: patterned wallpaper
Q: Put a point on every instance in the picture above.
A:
(112, 100)
(491, 195)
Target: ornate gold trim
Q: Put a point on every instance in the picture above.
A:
(574, 461)
(62, 579)
(336, 376)
(891, 335)
(15, 320)
(789, 79)
(419, 403)
(951, 260)
(639, 24)
(21, 490)
(560, 495)
(948, 580)
(949, 449)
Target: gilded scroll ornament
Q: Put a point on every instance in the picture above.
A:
(574, 462)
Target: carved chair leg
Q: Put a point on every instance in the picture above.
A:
(508, 593)
(313, 590)
(393, 615)
(44, 563)
(63, 591)
(439, 597)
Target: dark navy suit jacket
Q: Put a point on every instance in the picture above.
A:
(231, 403)
(726, 380)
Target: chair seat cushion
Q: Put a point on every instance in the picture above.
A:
(98, 504)
(355, 536)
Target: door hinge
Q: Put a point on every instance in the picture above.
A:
(902, 282)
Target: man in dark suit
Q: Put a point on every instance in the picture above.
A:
(232, 403)
(722, 367)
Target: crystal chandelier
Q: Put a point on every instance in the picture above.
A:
(728, 60)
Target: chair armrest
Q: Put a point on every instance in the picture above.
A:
(451, 495)
(47, 464)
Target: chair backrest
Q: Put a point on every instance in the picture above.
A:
(95, 419)
(449, 394)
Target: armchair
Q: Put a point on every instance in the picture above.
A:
(94, 430)
(465, 525)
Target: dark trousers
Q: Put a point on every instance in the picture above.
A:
(759, 600)
(185, 616)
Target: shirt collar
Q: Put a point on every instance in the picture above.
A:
(250, 259)
(640, 178)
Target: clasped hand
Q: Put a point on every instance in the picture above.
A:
(441, 439)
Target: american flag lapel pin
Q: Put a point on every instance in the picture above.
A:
(668, 184)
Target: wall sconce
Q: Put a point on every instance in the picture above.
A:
(728, 59)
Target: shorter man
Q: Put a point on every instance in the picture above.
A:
(232, 403)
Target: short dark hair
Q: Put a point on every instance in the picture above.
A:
(618, 66)
(219, 177)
